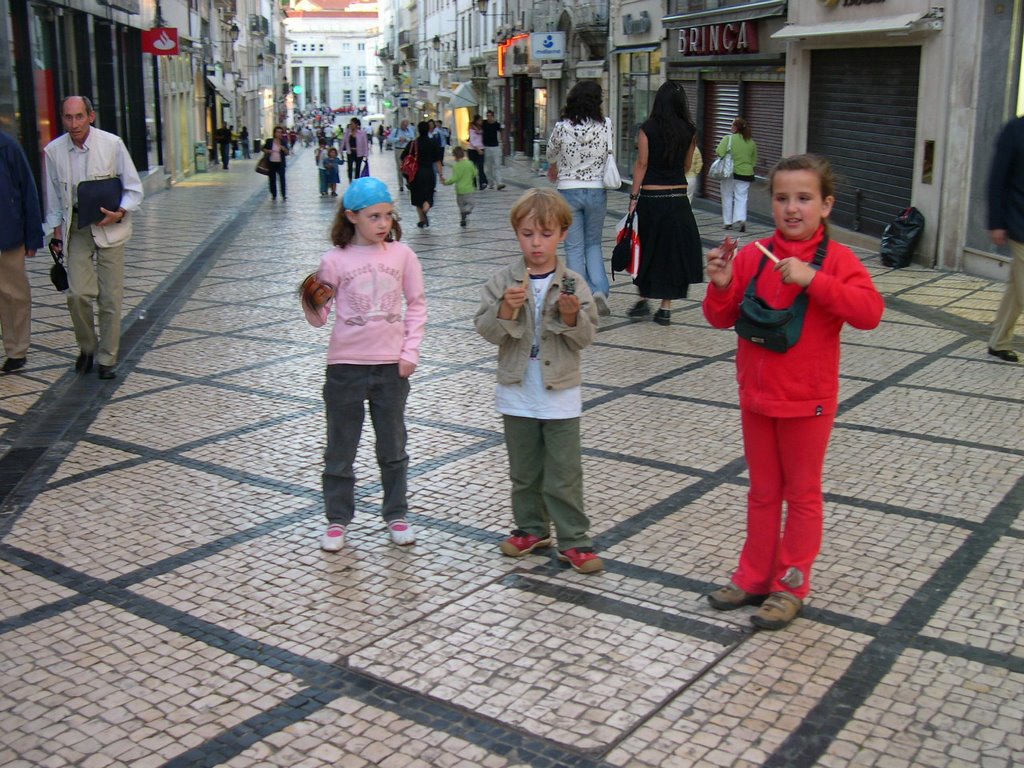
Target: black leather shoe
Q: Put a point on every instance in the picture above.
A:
(12, 364)
(84, 362)
(663, 317)
(640, 309)
(108, 372)
(1004, 354)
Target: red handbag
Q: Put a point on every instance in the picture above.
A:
(411, 162)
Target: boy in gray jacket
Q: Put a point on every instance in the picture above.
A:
(540, 315)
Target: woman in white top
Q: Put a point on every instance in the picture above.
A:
(577, 152)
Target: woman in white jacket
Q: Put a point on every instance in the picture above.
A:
(577, 152)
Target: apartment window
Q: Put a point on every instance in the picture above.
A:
(321, 46)
(346, 46)
(346, 71)
(362, 47)
(362, 95)
(346, 97)
(361, 72)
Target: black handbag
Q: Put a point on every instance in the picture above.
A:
(58, 272)
(263, 166)
(774, 329)
(622, 253)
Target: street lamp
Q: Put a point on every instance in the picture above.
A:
(260, 60)
(481, 5)
(436, 42)
(234, 32)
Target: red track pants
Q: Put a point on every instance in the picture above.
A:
(785, 458)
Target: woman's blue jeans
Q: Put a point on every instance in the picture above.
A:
(583, 252)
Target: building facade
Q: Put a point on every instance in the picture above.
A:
(165, 105)
(332, 57)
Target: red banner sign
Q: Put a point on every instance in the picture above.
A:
(160, 41)
(719, 39)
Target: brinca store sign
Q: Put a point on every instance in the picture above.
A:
(736, 37)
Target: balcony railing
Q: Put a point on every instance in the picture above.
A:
(592, 15)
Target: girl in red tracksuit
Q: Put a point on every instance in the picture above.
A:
(788, 399)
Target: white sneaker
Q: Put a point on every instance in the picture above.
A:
(401, 533)
(333, 538)
(602, 305)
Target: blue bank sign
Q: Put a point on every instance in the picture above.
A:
(547, 45)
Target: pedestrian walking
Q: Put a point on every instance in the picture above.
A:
(735, 190)
(223, 138)
(276, 151)
(319, 156)
(400, 139)
(476, 148)
(540, 314)
(1006, 225)
(20, 238)
(670, 247)
(331, 165)
(464, 178)
(788, 396)
(578, 151)
(374, 349)
(95, 253)
(491, 130)
(421, 188)
(243, 139)
(357, 147)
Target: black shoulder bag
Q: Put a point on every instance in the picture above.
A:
(774, 329)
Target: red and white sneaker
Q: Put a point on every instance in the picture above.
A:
(401, 533)
(522, 543)
(333, 538)
(582, 559)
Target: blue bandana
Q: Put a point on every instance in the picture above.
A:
(364, 192)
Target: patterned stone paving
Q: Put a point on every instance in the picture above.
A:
(165, 602)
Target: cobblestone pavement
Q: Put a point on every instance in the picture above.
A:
(165, 602)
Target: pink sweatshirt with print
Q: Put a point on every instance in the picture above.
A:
(370, 282)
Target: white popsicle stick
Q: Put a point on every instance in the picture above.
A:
(766, 252)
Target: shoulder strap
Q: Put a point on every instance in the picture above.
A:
(819, 257)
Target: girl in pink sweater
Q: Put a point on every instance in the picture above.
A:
(373, 351)
(788, 399)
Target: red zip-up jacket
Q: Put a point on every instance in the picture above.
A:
(804, 380)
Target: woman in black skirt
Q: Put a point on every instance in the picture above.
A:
(421, 188)
(671, 257)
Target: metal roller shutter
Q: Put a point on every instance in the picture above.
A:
(723, 102)
(763, 110)
(863, 118)
(690, 89)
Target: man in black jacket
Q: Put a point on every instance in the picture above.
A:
(21, 236)
(223, 138)
(1006, 224)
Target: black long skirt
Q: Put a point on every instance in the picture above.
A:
(671, 254)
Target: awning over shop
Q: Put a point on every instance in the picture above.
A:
(461, 96)
(221, 90)
(642, 48)
(902, 24)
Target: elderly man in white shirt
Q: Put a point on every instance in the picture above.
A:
(85, 153)
(400, 139)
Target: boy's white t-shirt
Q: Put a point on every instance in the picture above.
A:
(530, 399)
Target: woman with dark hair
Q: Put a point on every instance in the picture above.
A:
(429, 171)
(357, 147)
(671, 258)
(734, 190)
(577, 152)
(275, 149)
